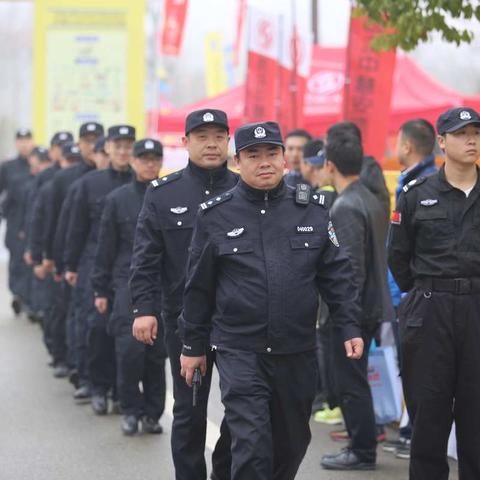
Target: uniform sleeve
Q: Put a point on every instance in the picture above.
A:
(37, 222)
(337, 287)
(54, 205)
(78, 228)
(106, 251)
(200, 290)
(61, 232)
(146, 261)
(401, 245)
(351, 231)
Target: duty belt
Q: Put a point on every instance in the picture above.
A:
(459, 286)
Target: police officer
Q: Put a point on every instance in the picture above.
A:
(295, 141)
(434, 254)
(163, 235)
(136, 362)
(12, 174)
(250, 246)
(95, 352)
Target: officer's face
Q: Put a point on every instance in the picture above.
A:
(307, 171)
(101, 160)
(294, 151)
(207, 146)
(147, 167)
(24, 146)
(120, 152)
(55, 153)
(34, 163)
(403, 149)
(86, 145)
(261, 166)
(462, 146)
(323, 177)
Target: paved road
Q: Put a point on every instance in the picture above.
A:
(45, 436)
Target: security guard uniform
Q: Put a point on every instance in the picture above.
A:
(434, 254)
(258, 262)
(164, 232)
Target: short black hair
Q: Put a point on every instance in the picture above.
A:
(299, 132)
(341, 128)
(421, 134)
(346, 153)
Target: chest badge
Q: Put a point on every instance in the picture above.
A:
(305, 229)
(179, 210)
(236, 232)
(429, 202)
(332, 235)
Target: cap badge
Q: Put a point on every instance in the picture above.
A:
(123, 131)
(260, 132)
(91, 127)
(465, 115)
(208, 117)
(179, 210)
(149, 145)
(62, 136)
(75, 150)
(236, 232)
(429, 202)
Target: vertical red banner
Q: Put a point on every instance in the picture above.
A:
(241, 14)
(261, 85)
(368, 86)
(173, 26)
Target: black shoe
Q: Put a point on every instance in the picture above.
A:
(99, 404)
(149, 425)
(130, 425)
(73, 378)
(116, 408)
(17, 305)
(60, 371)
(346, 460)
(82, 395)
(403, 451)
(392, 445)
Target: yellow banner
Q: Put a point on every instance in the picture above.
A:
(215, 70)
(88, 64)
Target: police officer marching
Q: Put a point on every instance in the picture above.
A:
(434, 255)
(250, 245)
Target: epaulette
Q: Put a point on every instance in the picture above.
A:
(166, 179)
(216, 201)
(319, 198)
(414, 183)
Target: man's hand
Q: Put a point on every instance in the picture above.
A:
(189, 364)
(71, 278)
(40, 272)
(354, 348)
(48, 265)
(145, 329)
(57, 277)
(101, 304)
(27, 258)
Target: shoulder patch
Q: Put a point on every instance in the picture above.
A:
(216, 201)
(414, 183)
(166, 179)
(319, 199)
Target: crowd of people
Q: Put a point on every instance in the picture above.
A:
(274, 271)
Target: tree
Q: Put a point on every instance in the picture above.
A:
(409, 22)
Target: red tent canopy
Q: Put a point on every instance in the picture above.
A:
(415, 94)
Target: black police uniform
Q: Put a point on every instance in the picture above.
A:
(258, 261)
(164, 232)
(13, 173)
(434, 254)
(136, 362)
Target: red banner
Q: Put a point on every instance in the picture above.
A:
(368, 86)
(173, 26)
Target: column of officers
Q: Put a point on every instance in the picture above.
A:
(123, 268)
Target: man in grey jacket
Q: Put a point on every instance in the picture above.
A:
(361, 227)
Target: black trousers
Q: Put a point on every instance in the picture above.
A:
(268, 402)
(440, 335)
(58, 321)
(19, 273)
(189, 425)
(137, 363)
(355, 397)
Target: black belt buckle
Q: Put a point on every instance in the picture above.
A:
(463, 286)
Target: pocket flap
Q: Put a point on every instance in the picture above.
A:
(305, 242)
(235, 247)
(428, 213)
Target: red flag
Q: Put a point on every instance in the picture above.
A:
(173, 26)
(263, 46)
(368, 86)
(242, 10)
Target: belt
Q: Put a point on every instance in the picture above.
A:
(458, 286)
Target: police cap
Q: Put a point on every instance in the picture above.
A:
(257, 133)
(147, 145)
(313, 153)
(118, 132)
(71, 151)
(200, 118)
(91, 127)
(23, 133)
(456, 118)
(41, 153)
(59, 138)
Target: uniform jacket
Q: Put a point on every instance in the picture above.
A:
(258, 262)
